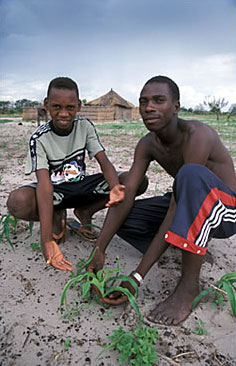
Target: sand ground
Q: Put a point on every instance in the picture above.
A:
(33, 331)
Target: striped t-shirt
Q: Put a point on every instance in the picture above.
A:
(63, 156)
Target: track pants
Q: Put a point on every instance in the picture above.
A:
(205, 207)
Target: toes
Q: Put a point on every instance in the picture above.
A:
(153, 318)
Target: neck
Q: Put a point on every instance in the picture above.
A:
(61, 132)
(171, 134)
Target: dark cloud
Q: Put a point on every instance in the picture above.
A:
(109, 40)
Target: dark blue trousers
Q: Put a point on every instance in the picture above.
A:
(205, 207)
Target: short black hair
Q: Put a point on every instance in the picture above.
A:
(172, 85)
(63, 83)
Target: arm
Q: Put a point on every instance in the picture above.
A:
(157, 247)
(191, 154)
(44, 196)
(116, 189)
(117, 215)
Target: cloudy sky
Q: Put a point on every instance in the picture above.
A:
(119, 44)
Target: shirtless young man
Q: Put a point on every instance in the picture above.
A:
(202, 204)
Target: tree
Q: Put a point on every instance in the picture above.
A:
(19, 104)
(4, 106)
(199, 109)
(215, 105)
(231, 111)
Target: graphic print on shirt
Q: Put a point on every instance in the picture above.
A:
(70, 171)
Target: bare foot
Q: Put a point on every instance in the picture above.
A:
(177, 307)
(84, 216)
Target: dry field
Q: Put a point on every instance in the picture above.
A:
(33, 331)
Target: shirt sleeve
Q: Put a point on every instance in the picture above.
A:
(93, 143)
(36, 158)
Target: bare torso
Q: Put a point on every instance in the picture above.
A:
(193, 142)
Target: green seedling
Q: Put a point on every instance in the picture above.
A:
(21, 161)
(137, 348)
(225, 286)
(219, 300)
(8, 225)
(36, 246)
(200, 330)
(104, 281)
(66, 347)
(31, 225)
(108, 315)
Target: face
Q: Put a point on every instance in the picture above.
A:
(62, 104)
(157, 106)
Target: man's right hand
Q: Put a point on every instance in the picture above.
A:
(54, 256)
(98, 260)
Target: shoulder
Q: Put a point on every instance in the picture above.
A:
(145, 140)
(41, 131)
(195, 128)
(83, 121)
(145, 145)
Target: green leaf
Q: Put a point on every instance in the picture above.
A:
(229, 276)
(228, 288)
(31, 225)
(99, 275)
(199, 296)
(66, 288)
(125, 278)
(108, 272)
(35, 246)
(126, 292)
(85, 288)
(82, 264)
(67, 343)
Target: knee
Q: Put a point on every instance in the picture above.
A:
(19, 203)
(143, 186)
(191, 172)
(14, 202)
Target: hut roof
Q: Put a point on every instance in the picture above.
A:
(110, 99)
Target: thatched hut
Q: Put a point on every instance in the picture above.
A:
(29, 113)
(35, 113)
(108, 107)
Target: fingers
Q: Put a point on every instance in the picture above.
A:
(117, 301)
(122, 187)
(112, 203)
(67, 262)
(62, 264)
(114, 295)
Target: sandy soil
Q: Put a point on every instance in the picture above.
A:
(33, 331)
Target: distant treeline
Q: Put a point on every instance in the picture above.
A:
(7, 107)
(214, 106)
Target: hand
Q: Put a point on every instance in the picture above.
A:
(117, 195)
(96, 264)
(117, 297)
(54, 256)
(98, 260)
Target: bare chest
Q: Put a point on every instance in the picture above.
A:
(171, 159)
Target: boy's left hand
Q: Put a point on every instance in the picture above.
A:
(117, 195)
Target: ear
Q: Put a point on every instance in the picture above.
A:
(177, 107)
(45, 103)
(79, 104)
